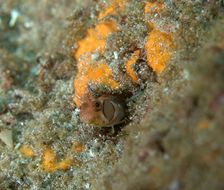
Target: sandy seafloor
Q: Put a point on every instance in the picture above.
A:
(173, 139)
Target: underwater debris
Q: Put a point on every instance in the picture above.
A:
(14, 16)
(6, 137)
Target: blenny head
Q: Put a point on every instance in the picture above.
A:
(104, 111)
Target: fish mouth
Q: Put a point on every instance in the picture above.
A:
(113, 111)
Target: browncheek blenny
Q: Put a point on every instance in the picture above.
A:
(105, 111)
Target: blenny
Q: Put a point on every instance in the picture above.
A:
(93, 68)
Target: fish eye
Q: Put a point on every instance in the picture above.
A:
(97, 105)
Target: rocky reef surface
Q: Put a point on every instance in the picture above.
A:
(172, 138)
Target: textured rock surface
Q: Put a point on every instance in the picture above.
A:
(173, 138)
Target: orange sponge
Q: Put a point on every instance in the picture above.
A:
(26, 151)
(129, 66)
(113, 8)
(159, 47)
(50, 164)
